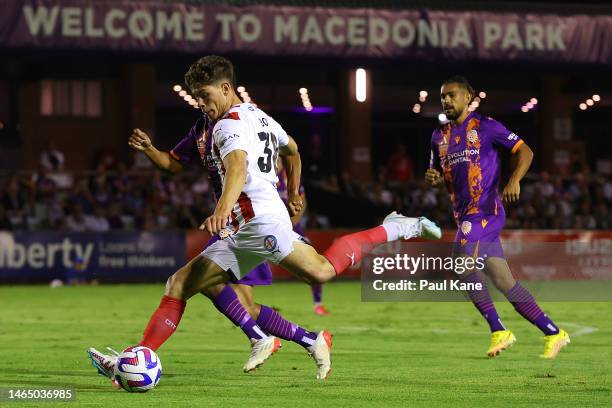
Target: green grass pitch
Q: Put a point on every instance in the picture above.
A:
(384, 354)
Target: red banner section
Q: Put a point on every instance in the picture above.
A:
(423, 34)
(532, 255)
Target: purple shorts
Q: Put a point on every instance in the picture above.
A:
(261, 275)
(478, 236)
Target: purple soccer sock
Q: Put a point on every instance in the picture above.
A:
(272, 322)
(483, 302)
(526, 306)
(317, 293)
(227, 303)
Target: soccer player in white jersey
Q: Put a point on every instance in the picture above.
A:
(250, 216)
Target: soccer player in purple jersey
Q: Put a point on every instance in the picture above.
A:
(316, 289)
(465, 155)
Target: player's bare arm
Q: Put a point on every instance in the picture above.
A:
(140, 141)
(293, 166)
(512, 190)
(236, 165)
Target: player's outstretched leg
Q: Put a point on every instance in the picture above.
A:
(501, 338)
(317, 299)
(306, 263)
(199, 274)
(525, 304)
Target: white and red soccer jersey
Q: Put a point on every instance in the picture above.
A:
(248, 128)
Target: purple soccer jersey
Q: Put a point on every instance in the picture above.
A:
(468, 156)
(196, 145)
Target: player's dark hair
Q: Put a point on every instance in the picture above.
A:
(208, 70)
(461, 81)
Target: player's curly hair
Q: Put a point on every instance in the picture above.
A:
(461, 81)
(208, 70)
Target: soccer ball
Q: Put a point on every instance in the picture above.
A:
(138, 369)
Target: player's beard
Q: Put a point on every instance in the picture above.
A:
(452, 114)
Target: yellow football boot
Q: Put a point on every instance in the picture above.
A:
(554, 343)
(500, 340)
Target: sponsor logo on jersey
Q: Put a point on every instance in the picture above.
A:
(466, 227)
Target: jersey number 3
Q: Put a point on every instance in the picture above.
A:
(270, 156)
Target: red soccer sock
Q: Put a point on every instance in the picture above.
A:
(163, 322)
(349, 249)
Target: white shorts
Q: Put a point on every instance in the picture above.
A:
(264, 238)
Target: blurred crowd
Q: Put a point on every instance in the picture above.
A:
(571, 202)
(117, 197)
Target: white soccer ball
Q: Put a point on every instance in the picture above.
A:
(138, 369)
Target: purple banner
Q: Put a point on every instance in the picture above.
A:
(301, 31)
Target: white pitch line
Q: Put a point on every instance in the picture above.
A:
(580, 329)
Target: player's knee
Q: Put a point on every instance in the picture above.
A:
(320, 271)
(175, 287)
(503, 283)
(253, 309)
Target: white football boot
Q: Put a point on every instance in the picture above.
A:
(104, 363)
(320, 352)
(261, 350)
(411, 227)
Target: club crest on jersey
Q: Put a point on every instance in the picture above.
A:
(270, 243)
(472, 136)
(466, 227)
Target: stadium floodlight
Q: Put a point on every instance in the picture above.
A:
(582, 106)
(241, 89)
(442, 118)
(177, 88)
(590, 102)
(422, 99)
(596, 98)
(303, 91)
(182, 93)
(529, 105)
(360, 85)
(482, 94)
(423, 94)
(533, 101)
(524, 109)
